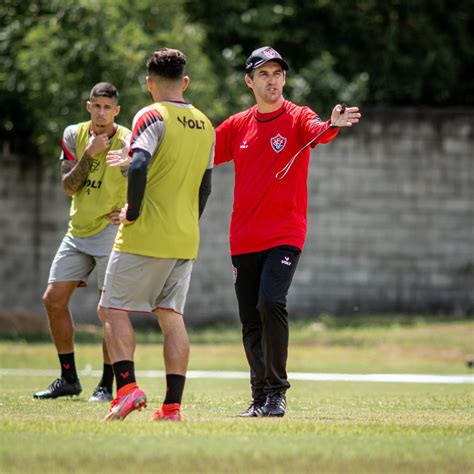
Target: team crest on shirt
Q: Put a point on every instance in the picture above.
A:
(278, 143)
(94, 166)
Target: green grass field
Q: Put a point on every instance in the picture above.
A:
(330, 426)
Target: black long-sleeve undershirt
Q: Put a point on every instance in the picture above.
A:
(137, 173)
(205, 190)
(137, 176)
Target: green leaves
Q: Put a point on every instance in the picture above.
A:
(365, 52)
(55, 57)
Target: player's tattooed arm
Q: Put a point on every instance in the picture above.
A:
(74, 173)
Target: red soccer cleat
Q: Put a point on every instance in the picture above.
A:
(169, 411)
(123, 405)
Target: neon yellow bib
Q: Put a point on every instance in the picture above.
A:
(168, 225)
(104, 191)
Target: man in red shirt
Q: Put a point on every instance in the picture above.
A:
(269, 144)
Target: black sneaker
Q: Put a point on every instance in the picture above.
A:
(101, 394)
(254, 410)
(275, 405)
(60, 388)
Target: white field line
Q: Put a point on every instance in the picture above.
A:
(316, 377)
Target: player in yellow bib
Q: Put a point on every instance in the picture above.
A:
(150, 267)
(98, 193)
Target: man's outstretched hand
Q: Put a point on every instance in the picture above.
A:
(343, 116)
(120, 157)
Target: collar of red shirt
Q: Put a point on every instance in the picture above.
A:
(270, 115)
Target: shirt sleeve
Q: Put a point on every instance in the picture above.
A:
(128, 139)
(210, 165)
(148, 131)
(223, 145)
(311, 125)
(68, 144)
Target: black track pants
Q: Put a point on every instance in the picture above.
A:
(262, 281)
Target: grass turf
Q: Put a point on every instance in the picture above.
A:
(329, 427)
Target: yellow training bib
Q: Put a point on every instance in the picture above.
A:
(168, 225)
(105, 188)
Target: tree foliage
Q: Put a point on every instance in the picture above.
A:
(368, 52)
(398, 52)
(55, 51)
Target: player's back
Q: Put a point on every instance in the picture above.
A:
(168, 225)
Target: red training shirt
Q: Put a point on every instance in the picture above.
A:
(269, 212)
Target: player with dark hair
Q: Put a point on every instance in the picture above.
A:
(150, 266)
(268, 226)
(98, 193)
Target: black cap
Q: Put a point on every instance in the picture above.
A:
(262, 55)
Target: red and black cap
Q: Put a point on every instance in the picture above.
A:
(262, 55)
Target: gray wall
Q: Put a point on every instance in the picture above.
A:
(390, 227)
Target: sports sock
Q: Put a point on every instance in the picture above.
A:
(126, 389)
(107, 379)
(124, 371)
(174, 388)
(68, 367)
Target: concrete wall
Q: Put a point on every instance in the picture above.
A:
(390, 228)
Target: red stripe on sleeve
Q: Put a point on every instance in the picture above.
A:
(69, 156)
(146, 119)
